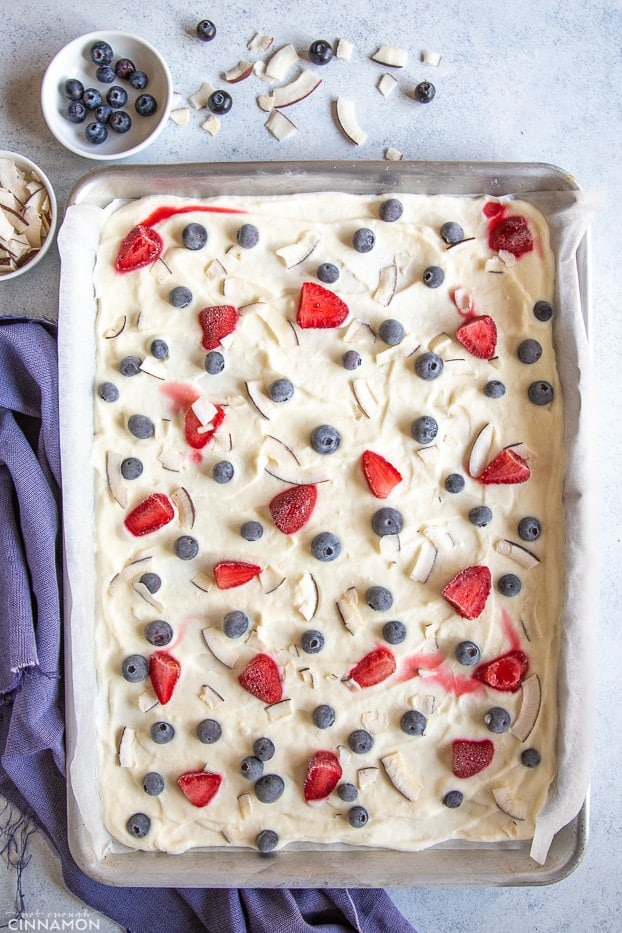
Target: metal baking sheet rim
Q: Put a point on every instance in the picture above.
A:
(452, 863)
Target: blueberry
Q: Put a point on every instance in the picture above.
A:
(139, 80)
(391, 331)
(497, 720)
(214, 362)
(325, 439)
(95, 133)
(153, 783)
(363, 240)
(529, 351)
(467, 653)
(91, 98)
(453, 799)
(222, 472)
(360, 741)
(105, 74)
(351, 360)
(74, 89)
(135, 668)
(326, 547)
(120, 121)
(263, 748)
(394, 632)
(494, 389)
(327, 273)
(433, 276)
(162, 733)
(428, 366)
(424, 92)
(320, 52)
(206, 30)
(152, 581)
(529, 529)
(145, 105)
(452, 232)
(248, 236)
(209, 731)
(103, 113)
(540, 393)
(159, 633)
(138, 825)
(101, 53)
(235, 623)
(413, 722)
(387, 521)
(186, 547)
(159, 348)
(379, 598)
(141, 426)
(108, 392)
(543, 311)
(358, 817)
(131, 468)
(531, 758)
(123, 68)
(509, 584)
(180, 296)
(116, 96)
(266, 840)
(251, 531)
(194, 236)
(76, 112)
(281, 390)
(424, 429)
(219, 102)
(130, 366)
(323, 716)
(454, 483)
(391, 210)
(269, 788)
(312, 641)
(480, 516)
(347, 792)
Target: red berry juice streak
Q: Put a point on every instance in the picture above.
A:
(181, 395)
(163, 213)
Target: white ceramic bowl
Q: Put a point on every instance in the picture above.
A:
(30, 168)
(74, 61)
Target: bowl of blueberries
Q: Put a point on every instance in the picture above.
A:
(106, 95)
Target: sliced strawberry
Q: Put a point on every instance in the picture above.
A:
(375, 667)
(152, 513)
(142, 246)
(505, 673)
(216, 322)
(478, 335)
(471, 756)
(507, 467)
(164, 671)
(468, 591)
(261, 677)
(230, 573)
(319, 307)
(199, 787)
(511, 234)
(199, 438)
(292, 508)
(381, 475)
(323, 774)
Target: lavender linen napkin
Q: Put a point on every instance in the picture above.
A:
(32, 761)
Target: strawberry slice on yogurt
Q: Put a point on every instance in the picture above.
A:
(323, 774)
(199, 787)
(150, 515)
(141, 247)
(164, 672)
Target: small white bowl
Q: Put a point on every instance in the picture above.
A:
(74, 61)
(30, 168)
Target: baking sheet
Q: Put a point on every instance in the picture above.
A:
(562, 828)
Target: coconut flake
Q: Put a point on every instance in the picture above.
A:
(280, 126)
(392, 154)
(365, 397)
(387, 283)
(211, 126)
(181, 116)
(281, 61)
(348, 609)
(210, 696)
(348, 121)
(185, 507)
(295, 253)
(430, 58)
(280, 710)
(239, 72)
(260, 42)
(425, 559)
(344, 49)
(386, 84)
(391, 55)
(516, 552)
(480, 450)
(115, 478)
(201, 96)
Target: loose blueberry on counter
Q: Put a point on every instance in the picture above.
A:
(206, 30)
(158, 632)
(263, 748)
(394, 632)
(413, 722)
(540, 393)
(347, 792)
(130, 366)
(453, 799)
(223, 471)
(364, 240)
(116, 96)
(312, 641)
(251, 531)
(325, 439)
(269, 788)
(281, 390)
(74, 89)
(327, 273)
(180, 296)
(358, 817)
(141, 426)
(138, 825)
(120, 121)
(105, 74)
(235, 623)
(360, 741)
(454, 483)
(320, 52)
(266, 841)
(543, 311)
(131, 468)
(433, 276)
(323, 716)
(326, 546)
(467, 653)
(531, 758)
(152, 581)
(428, 366)
(139, 80)
(96, 133)
(480, 516)
(91, 98)
(424, 92)
(220, 102)
(76, 112)
(103, 113)
(387, 521)
(186, 547)
(145, 105)
(123, 68)
(162, 733)
(509, 584)
(379, 598)
(209, 731)
(424, 429)
(214, 362)
(391, 332)
(194, 236)
(529, 528)
(159, 349)
(351, 360)
(153, 783)
(391, 210)
(108, 392)
(497, 720)
(529, 351)
(494, 389)
(248, 236)
(135, 668)
(452, 232)
(101, 53)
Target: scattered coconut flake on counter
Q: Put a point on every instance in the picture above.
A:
(211, 125)
(348, 121)
(344, 49)
(386, 84)
(260, 42)
(391, 55)
(201, 96)
(392, 154)
(281, 61)
(181, 116)
(280, 126)
(239, 72)
(291, 93)
(430, 58)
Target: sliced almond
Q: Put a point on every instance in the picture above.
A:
(402, 781)
(115, 479)
(348, 121)
(516, 552)
(510, 805)
(480, 450)
(522, 726)
(391, 55)
(295, 253)
(224, 649)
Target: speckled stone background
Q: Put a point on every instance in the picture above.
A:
(529, 81)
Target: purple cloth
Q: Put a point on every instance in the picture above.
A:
(31, 685)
